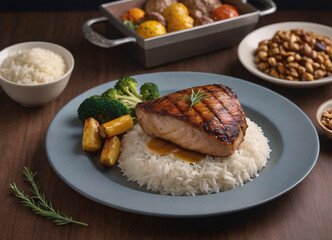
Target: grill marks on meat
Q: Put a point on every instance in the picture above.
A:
(228, 111)
(218, 115)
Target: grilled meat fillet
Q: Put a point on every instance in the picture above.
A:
(216, 125)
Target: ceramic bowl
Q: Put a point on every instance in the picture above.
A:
(249, 44)
(42, 93)
(322, 108)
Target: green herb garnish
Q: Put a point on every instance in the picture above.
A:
(38, 203)
(130, 24)
(195, 97)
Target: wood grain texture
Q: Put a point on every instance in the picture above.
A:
(303, 213)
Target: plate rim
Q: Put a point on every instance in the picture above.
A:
(277, 81)
(187, 214)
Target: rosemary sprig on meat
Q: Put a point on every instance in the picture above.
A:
(194, 97)
(38, 203)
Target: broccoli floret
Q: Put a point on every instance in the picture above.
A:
(128, 86)
(102, 109)
(129, 101)
(111, 93)
(149, 91)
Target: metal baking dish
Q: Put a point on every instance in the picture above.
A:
(181, 44)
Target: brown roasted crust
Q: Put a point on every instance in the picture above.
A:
(219, 114)
(205, 6)
(157, 5)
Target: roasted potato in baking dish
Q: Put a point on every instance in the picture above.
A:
(150, 29)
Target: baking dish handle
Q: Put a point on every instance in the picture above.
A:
(268, 6)
(100, 40)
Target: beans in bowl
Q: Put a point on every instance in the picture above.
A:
(295, 55)
(327, 119)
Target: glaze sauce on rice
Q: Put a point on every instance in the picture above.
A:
(164, 148)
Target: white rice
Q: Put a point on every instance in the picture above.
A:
(169, 175)
(33, 66)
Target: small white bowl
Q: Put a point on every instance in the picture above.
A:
(322, 108)
(36, 94)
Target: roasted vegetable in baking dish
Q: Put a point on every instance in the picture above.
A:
(157, 5)
(150, 29)
(205, 6)
(134, 15)
(180, 22)
(162, 16)
(177, 17)
(223, 12)
(175, 10)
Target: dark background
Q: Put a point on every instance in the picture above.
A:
(72, 5)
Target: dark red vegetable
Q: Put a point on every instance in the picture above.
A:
(223, 12)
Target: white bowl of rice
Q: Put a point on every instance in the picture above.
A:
(34, 73)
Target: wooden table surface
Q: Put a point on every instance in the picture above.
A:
(303, 213)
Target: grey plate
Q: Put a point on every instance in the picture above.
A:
(294, 153)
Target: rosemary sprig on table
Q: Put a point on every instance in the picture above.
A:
(38, 203)
(195, 97)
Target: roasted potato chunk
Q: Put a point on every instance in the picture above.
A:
(180, 22)
(116, 126)
(91, 141)
(175, 10)
(150, 29)
(111, 151)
